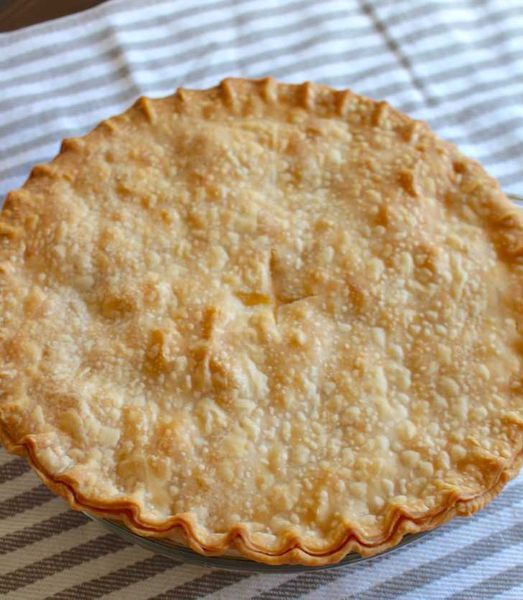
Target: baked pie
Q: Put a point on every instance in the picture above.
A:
(280, 320)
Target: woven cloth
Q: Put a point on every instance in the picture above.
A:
(457, 64)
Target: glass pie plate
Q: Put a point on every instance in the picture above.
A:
(178, 551)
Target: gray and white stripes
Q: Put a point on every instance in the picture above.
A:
(456, 63)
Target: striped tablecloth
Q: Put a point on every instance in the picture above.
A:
(456, 63)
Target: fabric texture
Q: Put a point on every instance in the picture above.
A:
(457, 64)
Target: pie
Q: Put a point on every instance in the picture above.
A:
(279, 320)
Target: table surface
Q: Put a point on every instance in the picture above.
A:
(15, 14)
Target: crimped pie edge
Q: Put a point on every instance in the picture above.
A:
(291, 548)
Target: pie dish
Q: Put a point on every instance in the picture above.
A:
(277, 320)
(180, 552)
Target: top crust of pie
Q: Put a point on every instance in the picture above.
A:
(282, 319)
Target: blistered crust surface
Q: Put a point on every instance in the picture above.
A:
(280, 317)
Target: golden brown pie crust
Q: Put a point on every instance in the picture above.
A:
(284, 300)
